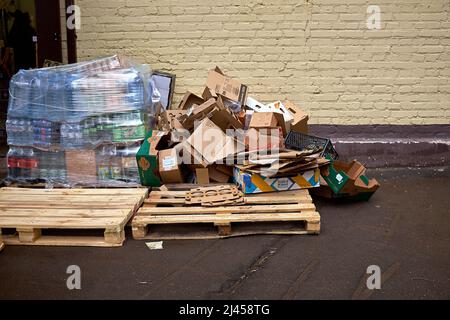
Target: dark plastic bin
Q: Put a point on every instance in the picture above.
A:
(300, 141)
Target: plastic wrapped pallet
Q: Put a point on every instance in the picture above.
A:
(80, 124)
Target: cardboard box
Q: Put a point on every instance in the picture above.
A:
(209, 94)
(263, 120)
(147, 158)
(169, 166)
(257, 140)
(216, 175)
(227, 87)
(224, 119)
(268, 120)
(198, 113)
(81, 167)
(348, 178)
(277, 107)
(252, 183)
(300, 121)
(171, 119)
(189, 100)
(212, 143)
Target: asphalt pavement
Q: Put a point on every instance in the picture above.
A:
(404, 229)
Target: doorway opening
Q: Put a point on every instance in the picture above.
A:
(33, 33)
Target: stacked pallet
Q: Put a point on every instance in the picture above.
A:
(273, 213)
(33, 214)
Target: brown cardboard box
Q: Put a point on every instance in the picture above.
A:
(209, 93)
(300, 122)
(224, 119)
(257, 140)
(263, 120)
(81, 167)
(227, 87)
(171, 119)
(169, 166)
(189, 100)
(199, 113)
(216, 175)
(268, 120)
(227, 170)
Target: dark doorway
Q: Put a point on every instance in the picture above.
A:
(48, 29)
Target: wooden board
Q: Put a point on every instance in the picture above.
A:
(30, 212)
(255, 216)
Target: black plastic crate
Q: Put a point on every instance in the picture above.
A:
(300, 141)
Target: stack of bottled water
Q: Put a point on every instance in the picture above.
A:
(101, 106)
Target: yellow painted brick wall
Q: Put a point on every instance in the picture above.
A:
(317, 53)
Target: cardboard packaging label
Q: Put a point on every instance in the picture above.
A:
(227, 87)
(252, 183)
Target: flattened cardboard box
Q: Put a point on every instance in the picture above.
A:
(212, 143)
(231, 89)
(252, 183)
(147, 158)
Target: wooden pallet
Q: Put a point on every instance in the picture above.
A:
(34, 213)
(271, 213)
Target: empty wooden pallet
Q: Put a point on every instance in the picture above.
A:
(35, 216)
(165, 216)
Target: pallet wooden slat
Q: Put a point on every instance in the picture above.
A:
(284, 207)
(30, 211)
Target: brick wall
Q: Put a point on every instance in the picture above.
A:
(317, 53)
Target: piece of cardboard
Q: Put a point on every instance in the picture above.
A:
(253, 183)
(268, 120)
(212, 143)
(209, 94)
(147, 158)
(171, 119)
(198, 113)
(263, 120)
(227, 87)
(277, 107)
(190, 156)
(202, 175)
(189, 100)
(258, 140)
(348, 178)
(300, 121)
(224, 119)
(169, 166)
(218, 176)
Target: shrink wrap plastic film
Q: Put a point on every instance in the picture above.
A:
(80, 124)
